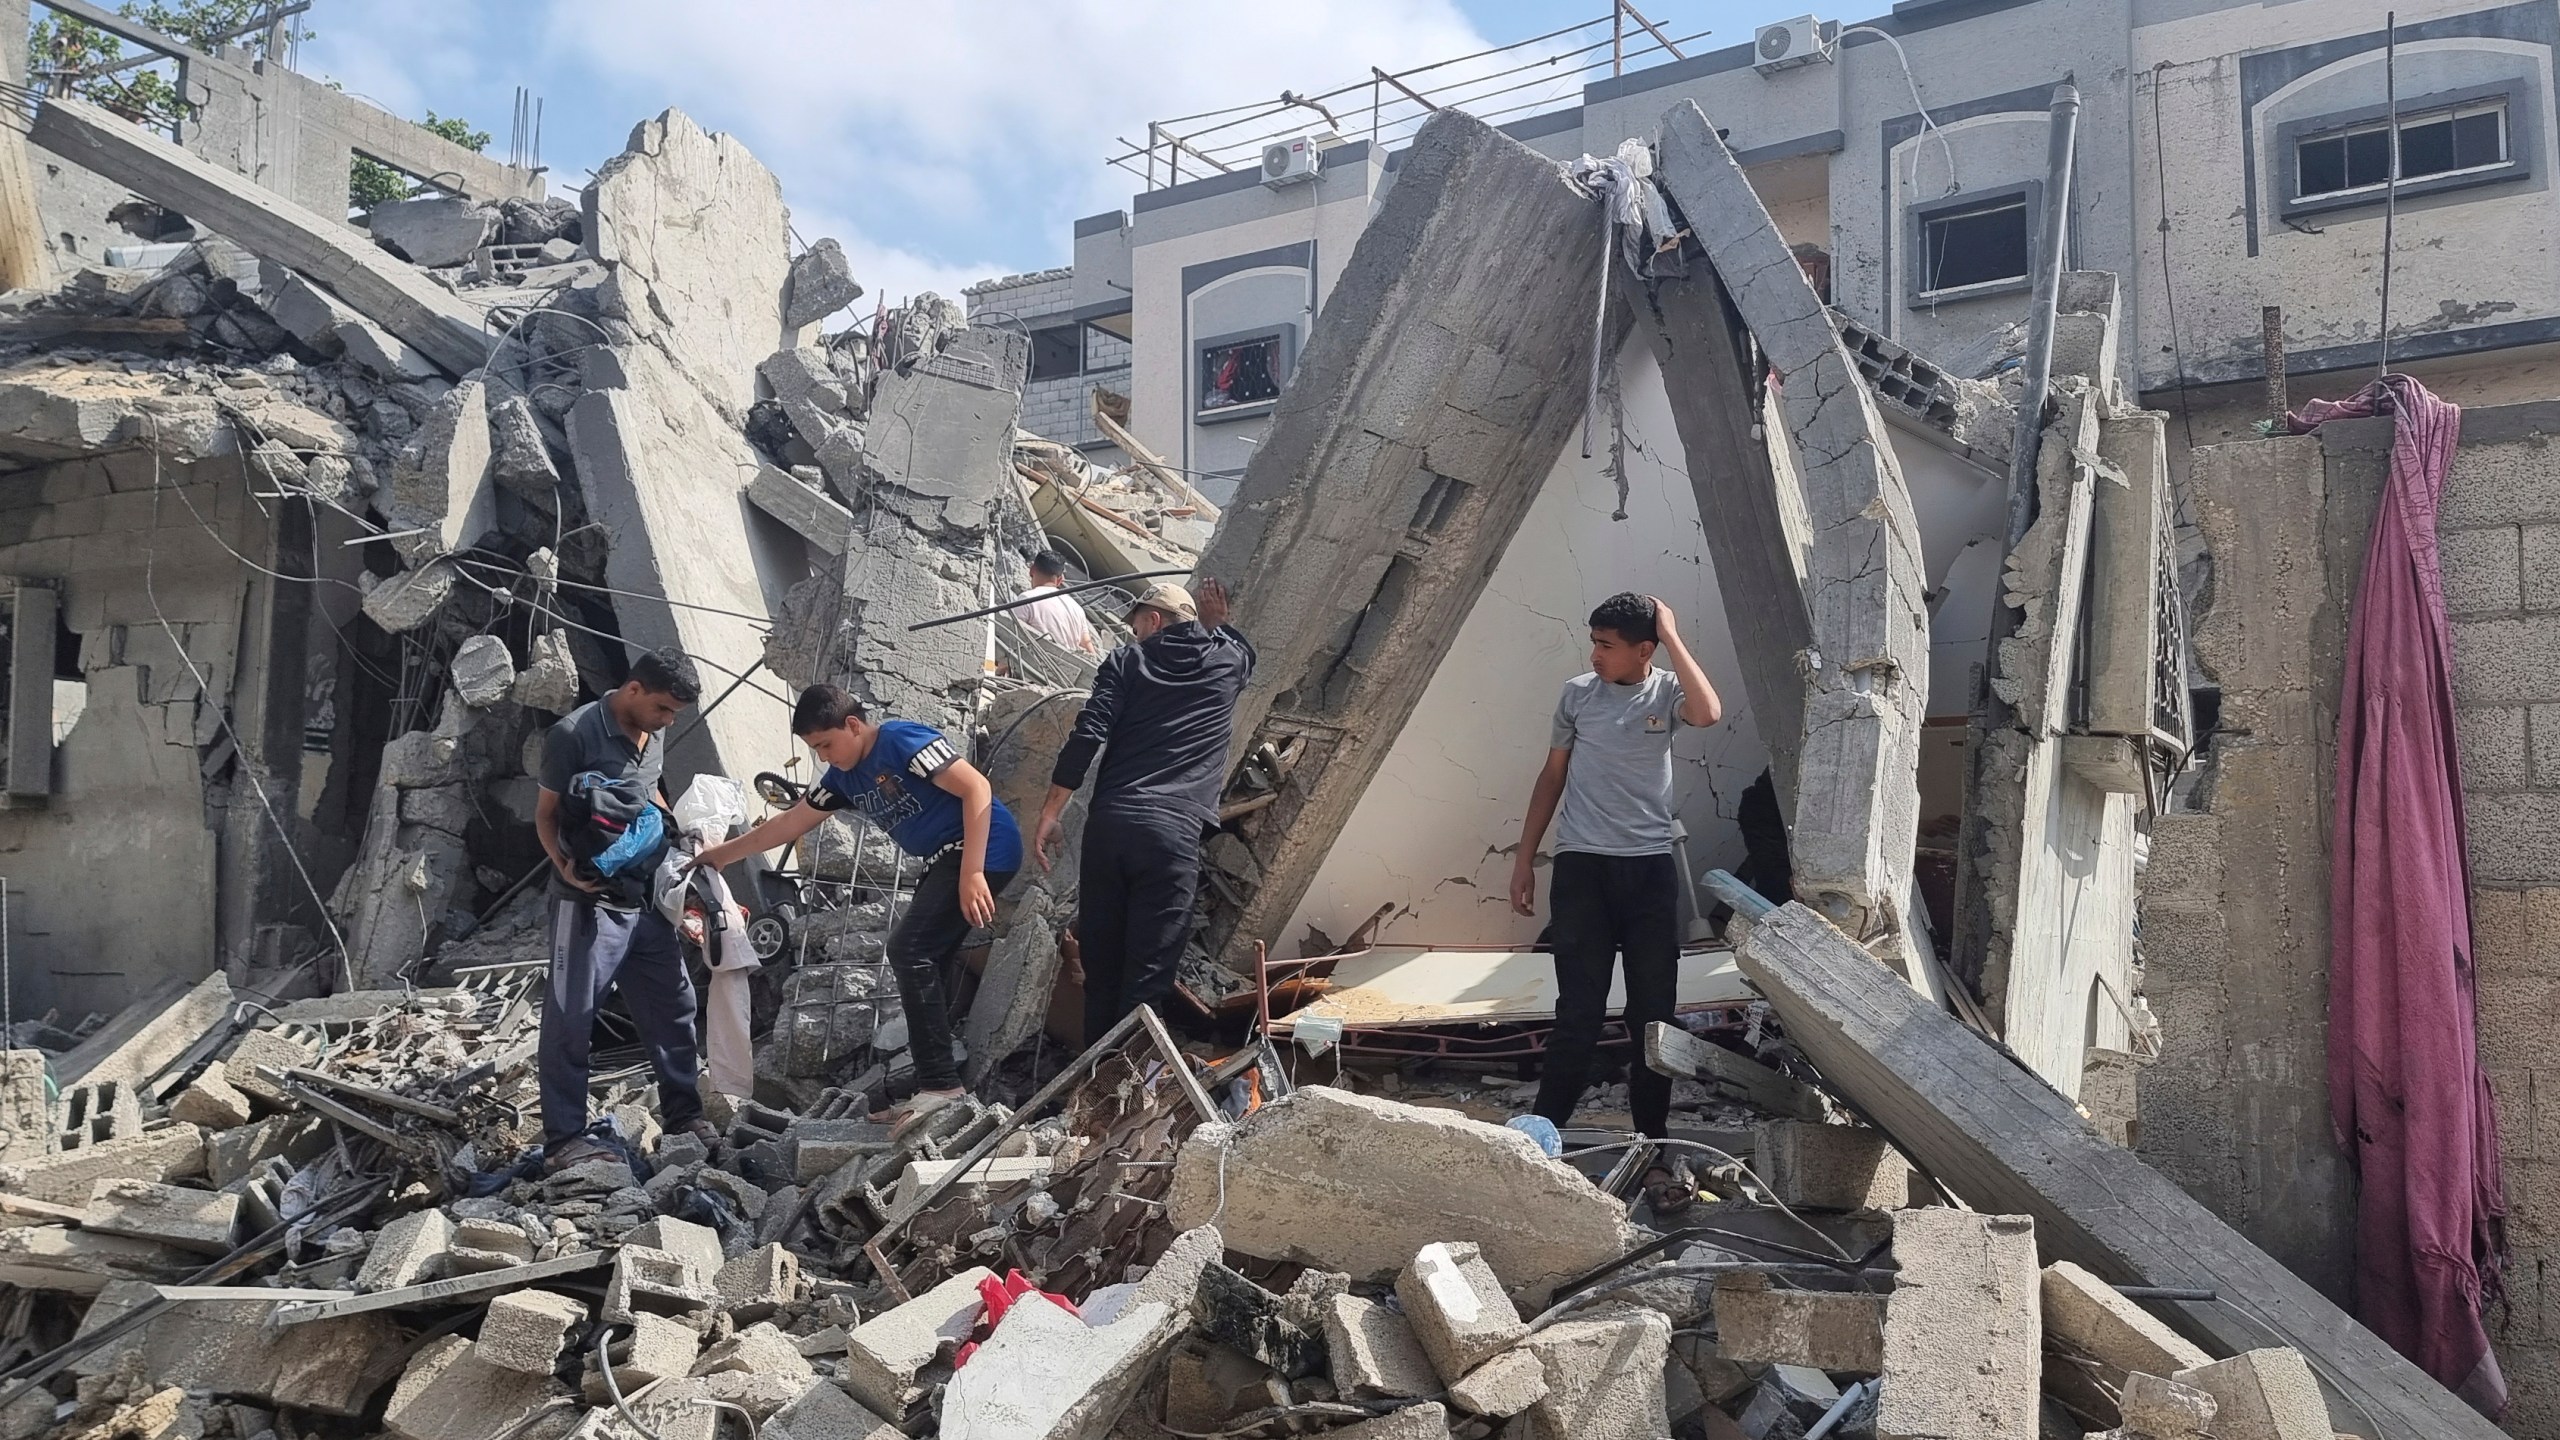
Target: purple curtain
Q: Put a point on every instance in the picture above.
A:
(2406, 1092)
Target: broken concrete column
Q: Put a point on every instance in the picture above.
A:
(1357, 1184)
(440, 481)
(1603, 1374)
(199, 1220)
(434, 230)
(526, 1331)
(1857, 802)
(1425, 412)
(482, 670)
(1373, 1352)
(1830, 1167)
(450, 1393)
(884, 1354)
(1455, 1303)
(1968, 1286)
(822, 283)
(408, 1251)
(2262, 1395)
(1760, 1324)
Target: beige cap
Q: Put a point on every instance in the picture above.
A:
(1171, 599)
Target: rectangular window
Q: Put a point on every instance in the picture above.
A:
(2453, 141)
(1057, 353)
(1981, 245)
(1240, 372)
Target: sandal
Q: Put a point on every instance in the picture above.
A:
(1669, 1188)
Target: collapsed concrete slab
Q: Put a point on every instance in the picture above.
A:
(433, 230)
(226, 1347)
(822, 283)
(1857, 800)
(383, 289)
(1357, 1184)
(1432, 399)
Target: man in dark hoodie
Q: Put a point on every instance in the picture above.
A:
(1166, 707)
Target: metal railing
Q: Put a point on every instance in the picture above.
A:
(1507, 82)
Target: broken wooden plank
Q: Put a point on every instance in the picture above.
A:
(23, 1210)
(2004, 1141)
(438, 1292)
(1672, 1051)
(381, 287)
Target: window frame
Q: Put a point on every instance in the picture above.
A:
(1031, 370)
(2522, 126)
(1284, 332)
(1917, 218)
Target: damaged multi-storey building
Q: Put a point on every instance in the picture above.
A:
(1886, 352)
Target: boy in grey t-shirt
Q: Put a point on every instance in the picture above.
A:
(1616, 887)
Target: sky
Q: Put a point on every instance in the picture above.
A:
(944, 142)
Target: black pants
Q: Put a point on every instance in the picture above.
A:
(593, 949)
(1606, 906)
(1133, 909)
(920, 948)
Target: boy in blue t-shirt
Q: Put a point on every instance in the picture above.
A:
(906, 779)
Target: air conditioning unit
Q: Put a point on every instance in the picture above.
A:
(1290, 162)
(1789, 43)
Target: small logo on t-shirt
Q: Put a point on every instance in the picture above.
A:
(1654, 725)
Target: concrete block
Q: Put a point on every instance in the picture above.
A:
(1414, 1422)
(1504, 1386)
(440, 479)
(1357, 1184)
(307, 312)
(383, 353)
(815, 517)
(1604, 1376)
(26, 1116)
(1045, 1372)
(697, 1245)
(483, 671)
(480, 1245)
(227, 1347)
(2262, 1395)
(2088, 1314)
(549, 679)
(407, 600)
(1831, 1167)
(211, 1101)
(757, 1283)
(1968, 1286)
(757, 1350)
(450, 1393)
(825, 1412)
(75, 1262)
(232, 1154)
(518, 458)
(2494, 747)
(2482, 571)
(260, 1051)
(884, 1353)
(822, 283)
(1455, 1303)
(1373, 1352)
(1759, 1324)
(645, 1349)
(200, 1220)
(434, 231)
(526, 1331)
(2540, 585)
(408, 1251)
(174, 1153)
(647, 1281)
(2165, 1409)
(819, 1148)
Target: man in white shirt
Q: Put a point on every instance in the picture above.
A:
(1059, 616)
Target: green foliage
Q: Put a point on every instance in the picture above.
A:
(371, 183)
(73, 55)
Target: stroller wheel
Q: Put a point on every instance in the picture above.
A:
(767, 935)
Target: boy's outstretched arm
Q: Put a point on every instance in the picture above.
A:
(781, 830)
(1543, 797)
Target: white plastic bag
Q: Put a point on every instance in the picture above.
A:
(713, 805)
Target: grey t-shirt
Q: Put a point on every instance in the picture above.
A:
(587, 738)
(1617, 789)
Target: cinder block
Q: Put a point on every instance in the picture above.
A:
(1968, 1286)
(2504, 661)
(648, 1281)
(1457, 1307)
(2263, 1395)
(884, 1353)
(825, 1412)
(450, 1393)
(1759, 1324)
(480, 1245)
(408, 1251)
(1604, 1375)
(2482, 571)
(2494, 751)
(1374, 1353)
(526, 1331)
(654, 1348)
(2515, 839)
(757, 1350)
(757, 1283)
(174, 1153)
(2539, 586)
(212, 1101)
(697, 1245)
(1501, 1387)
(1831, 1167)
(198, 1220)
(2167, 1410)
(264, 1050)
(2113, 1334)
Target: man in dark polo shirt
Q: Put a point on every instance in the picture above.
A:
(599, 941)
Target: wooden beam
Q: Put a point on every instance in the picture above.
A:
(374, 283)
(2004, 1141)
(1670, 1050)
(440, 1292)
(1155, 466)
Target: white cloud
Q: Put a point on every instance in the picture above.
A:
(944, 132)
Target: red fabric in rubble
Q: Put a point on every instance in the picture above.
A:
(2407, 1095)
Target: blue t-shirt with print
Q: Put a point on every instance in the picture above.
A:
(893, 789)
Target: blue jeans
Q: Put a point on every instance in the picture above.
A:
(594, 948)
